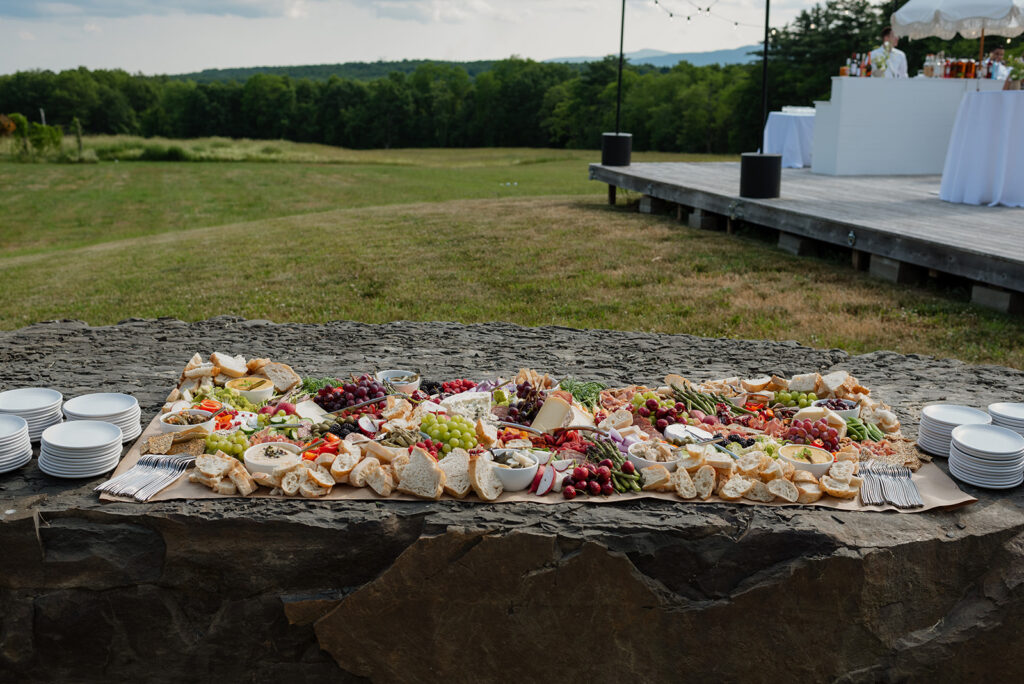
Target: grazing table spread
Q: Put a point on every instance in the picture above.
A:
(985, 157)
(180, 583)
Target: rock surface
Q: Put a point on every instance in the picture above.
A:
(299, 590)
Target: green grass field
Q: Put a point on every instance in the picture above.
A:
(310, 233)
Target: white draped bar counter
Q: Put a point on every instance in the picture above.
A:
(885, 127)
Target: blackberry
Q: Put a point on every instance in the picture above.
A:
(342, 429)
(430, 387)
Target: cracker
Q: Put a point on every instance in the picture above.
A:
(191, 433)
(159, 444)
(193, 447)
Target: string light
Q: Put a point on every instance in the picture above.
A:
(702, 12)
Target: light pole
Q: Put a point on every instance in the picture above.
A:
(617, 147)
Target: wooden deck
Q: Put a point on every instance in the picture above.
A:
(900, 218)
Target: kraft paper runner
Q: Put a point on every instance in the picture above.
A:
(937, 490)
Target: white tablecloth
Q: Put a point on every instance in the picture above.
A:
(985, 157)
(790, 134)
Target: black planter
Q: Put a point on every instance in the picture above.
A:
(616, 149)
(760, 175)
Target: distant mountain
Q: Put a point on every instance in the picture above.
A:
(659, 58)
(360, 71)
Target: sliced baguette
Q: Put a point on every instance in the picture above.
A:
(486, 434)
(379, 479)
(214, 465)
(483, 479)
(321, 476)
(750, 464)
(809, 492)
(683, 483)
(759, 492)
(456, 470)
(735, 488)
(694, 459)
(265, 479)
(756, 384)
(719, 461)
(704, 481)
(357, 478)
(291, 482)
(655, 478)
(282, 375)
(398, 464)
(344, 462)
(842, 471)
(772, 472)
(226, 488)
(203, 370)
(838, 489)
(206, 480)
(229, 365)
(242, 479)
(804, 476)
(422, 476)
(256, 365)
(784, 489)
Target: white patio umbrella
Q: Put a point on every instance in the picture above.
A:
(970, 18)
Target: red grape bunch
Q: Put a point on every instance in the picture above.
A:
(333, 399)
(817, 433)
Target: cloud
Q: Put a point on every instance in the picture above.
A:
(26, 35)
(92, 27)
(130, 8)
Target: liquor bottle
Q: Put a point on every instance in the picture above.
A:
(867, 66)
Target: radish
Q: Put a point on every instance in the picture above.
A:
(563, 465)
(538, 477)
(367, 425)
(542, 456)
(547, 482)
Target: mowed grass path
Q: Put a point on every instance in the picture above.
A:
(447, 242)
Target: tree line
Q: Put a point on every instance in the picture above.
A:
(514, 102)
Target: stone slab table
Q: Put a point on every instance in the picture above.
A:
(640, 591)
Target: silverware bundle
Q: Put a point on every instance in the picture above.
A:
(147, 477)
(885, 483)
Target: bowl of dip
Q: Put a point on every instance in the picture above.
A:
(255, 389)
(266, 457)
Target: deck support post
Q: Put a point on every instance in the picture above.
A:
(705, 220)
(895, 271)
(611, 194)
(860, 260)
(652, 205)
(793, 244)
(997, 298)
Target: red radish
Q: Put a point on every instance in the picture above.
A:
(563, 465)
(606, 463)
(287, 407)
(604, 474)
(628, 468)
(579, 473)
(537, 478)
(547, 482)
(595, 488)
(569, 492)
(367, 425)
(608, 489)
(542, 456)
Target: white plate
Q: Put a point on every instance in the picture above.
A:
(986, 470)
(89, 467)
(954, 414)
(15, 447)
(101, 405)
(933, 450)
(7, 443)
(57, 471)
(131, 433)
(34, 413)
(14, 465)
(988, 439)
(29, 399)
(15, 455)
(1012, 476)
(38, 418)
(61, 457)
(984, 482)
(1008, 410)
(12, 426)
(82, 435)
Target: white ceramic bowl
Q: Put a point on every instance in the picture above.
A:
(515, 479)
(406, 387)
(252, 461)
(845, 413)
(640, 462)
(257, 396)
(167, 427)
(816, 469)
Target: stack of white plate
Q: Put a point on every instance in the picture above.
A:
(987, 456)
(111, 407)
(40, 407)
(938, 421)
(1008, 415)
(15, 446)
(80, 448)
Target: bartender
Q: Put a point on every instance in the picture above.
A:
(995, 65)
(895, 61)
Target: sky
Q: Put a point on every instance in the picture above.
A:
(179, 36)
